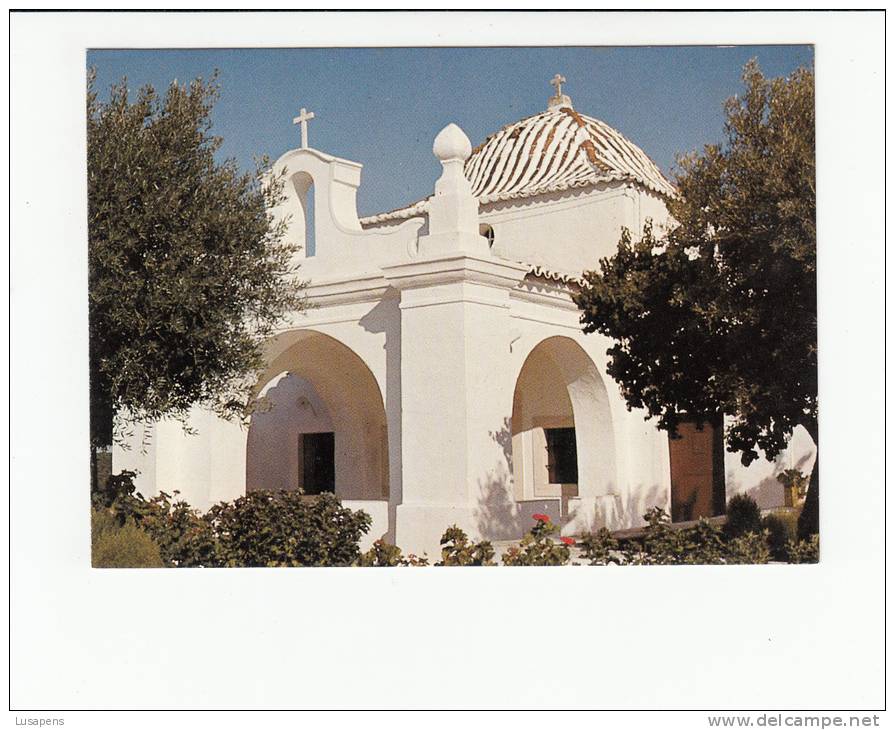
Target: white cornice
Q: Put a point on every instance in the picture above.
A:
(457, 267)
(367, 286)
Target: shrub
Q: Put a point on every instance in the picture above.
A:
(380, 555)
(415, 561)
(743, 516)
(599, 548)
(187, 538)
(385, 555)
(703, 544)
(457, 550)
(117, 491)
(114, 545)
(260, 529)
(283, 529)
(804, 551)
(748, 549)
(664, 544)
(538, 548)
(782, 528)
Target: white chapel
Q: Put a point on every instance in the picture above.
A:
(441, 375)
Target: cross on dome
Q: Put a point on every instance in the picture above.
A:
(559, 99)
(304, 116)
(558, 81)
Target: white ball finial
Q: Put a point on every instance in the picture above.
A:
(452, 144)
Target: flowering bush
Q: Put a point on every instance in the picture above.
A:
(457, 550)
(538, 547)
(285, 529)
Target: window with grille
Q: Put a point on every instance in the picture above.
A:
(562, 455)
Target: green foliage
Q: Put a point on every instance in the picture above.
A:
(188, 270)
(748, 549)
(743, 516)
(380, 555)
(415, 561)
(664, 544)
(457, 550)
(718, 315)
(284, 529)
(116, 545)
(184, 536)
(804, 551)
(385, 555)
(782, 528)
(261, 529)
(703, 544)
(538, 547)
(599, 548)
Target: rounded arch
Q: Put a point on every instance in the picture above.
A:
(558, 387)
(316, 384)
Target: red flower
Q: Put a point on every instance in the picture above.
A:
(567, 540)
(541, 518)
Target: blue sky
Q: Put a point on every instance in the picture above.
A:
(383, 106)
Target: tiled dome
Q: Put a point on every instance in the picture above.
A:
(556, 150)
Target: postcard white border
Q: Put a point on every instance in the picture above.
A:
(759, 638)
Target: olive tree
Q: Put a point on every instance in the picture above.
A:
(188, 270)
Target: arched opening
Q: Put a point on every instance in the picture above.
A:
(304, 190)
(562, 438)
(319, 423)
(488, 232)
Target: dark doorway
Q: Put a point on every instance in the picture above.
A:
(318, 463)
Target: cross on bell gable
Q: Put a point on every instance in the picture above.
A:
(304, 116)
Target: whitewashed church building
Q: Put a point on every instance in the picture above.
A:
(441, 376)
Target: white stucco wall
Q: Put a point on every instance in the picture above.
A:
(204, 459)
(565, 232)
(759, 479)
